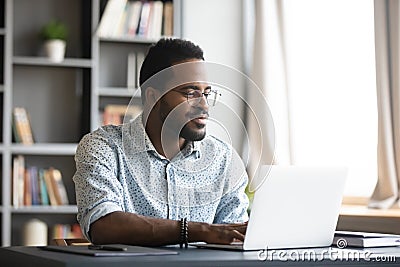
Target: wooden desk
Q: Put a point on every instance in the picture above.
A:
(32, 256)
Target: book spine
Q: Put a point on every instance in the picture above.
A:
(43, 190)
(15, 181)
(144, 19)
(50, 189)
(168, 19)
(35, 185)
(22, 126)
(156, 20)
(21, 180)
(112, 13)
(135, 11)
(139, 62)
(131, 71)
(27, 189)
(59, 187)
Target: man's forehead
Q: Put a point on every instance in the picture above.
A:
(193, 72)
(193, 85)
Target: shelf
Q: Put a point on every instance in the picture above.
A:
(44, 149)
(43, 61)
(1, 88)
(69, 209)
(2, 31)
(135, 40)
(363, 211)
(119, 92)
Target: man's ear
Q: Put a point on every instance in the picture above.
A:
(152, 95)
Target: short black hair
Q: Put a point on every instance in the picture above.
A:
(165, 53)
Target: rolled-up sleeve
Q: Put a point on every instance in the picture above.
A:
(98, 190)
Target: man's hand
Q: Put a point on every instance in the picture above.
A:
(219, 233)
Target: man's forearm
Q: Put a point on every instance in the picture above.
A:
(130, 228)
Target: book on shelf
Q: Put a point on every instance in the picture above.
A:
(143, 19)
(21, 126)
(139, 61)
(18, 180)
(155, 20)
(134, 10)
(44, 196)
(122, 25)
(111, 17)
(35, 190)
(49, 187)
(168, 18)
(131, 71)
(344, 239)
(117, 114)
(27, 189)
(66, 231)
(60, 191)
(36, 186)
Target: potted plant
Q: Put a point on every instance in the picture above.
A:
(55, 35)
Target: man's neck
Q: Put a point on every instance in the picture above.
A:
(169, 144)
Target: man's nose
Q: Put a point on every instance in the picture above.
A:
(203, 102)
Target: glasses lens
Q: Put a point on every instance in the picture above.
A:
(212, 98)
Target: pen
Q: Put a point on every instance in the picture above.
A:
(105, 247)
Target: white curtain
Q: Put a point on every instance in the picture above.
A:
(387, 49)
(269, 73)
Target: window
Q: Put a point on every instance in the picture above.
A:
(331, 78)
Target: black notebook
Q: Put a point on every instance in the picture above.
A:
(125, 250)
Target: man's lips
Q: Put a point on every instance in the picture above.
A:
(200, 119)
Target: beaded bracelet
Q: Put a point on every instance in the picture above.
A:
(184, 233)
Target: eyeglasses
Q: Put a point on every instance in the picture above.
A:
(194, 97)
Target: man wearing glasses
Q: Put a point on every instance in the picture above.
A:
(159, 179)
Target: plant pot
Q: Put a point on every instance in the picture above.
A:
(55, 50)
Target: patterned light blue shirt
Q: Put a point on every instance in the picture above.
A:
(118, 169)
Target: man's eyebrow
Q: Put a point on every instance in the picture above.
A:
(194, 87)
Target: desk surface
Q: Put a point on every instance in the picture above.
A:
(33, 256)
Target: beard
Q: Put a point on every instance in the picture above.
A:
(187, 129)
(188, 134)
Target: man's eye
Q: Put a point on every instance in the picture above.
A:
(190, 94)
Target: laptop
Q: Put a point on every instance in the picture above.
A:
(294, 207)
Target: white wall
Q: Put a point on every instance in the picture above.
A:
(216, 26)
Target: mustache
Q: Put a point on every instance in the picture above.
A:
(199, 113)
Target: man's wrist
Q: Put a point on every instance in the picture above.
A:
(196, 231)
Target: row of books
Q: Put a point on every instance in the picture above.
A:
(66, 231)
(21, 126)
(36, 186)
(115, 114)
(145, 19)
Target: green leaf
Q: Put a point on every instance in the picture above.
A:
(54, 30)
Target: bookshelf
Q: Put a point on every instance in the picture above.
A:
(111, 81)
(64, 100)
(53, 94)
